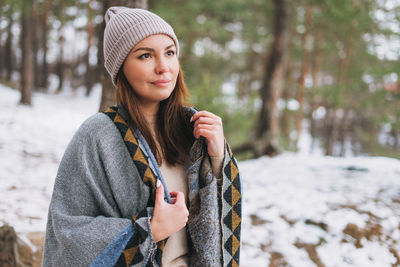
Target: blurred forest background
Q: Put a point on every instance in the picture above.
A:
(273, 70)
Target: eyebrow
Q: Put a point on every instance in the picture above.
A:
(151, 49)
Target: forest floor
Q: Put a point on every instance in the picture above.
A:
(298, 209)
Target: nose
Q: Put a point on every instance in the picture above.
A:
(162, 65)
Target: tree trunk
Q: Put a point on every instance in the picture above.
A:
(27, 57)
(35, 46)
(316, 69)
(343, 133)
(2, 62)
(8, 58)
(341, 81)
(286, 95)
(303, 73)
(60, 62)
(330, 131)
(396, 143)
(90, 28)
(1, 57)
(44, 31)
(106, 83)
(267, 128)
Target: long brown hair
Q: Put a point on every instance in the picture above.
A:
(174, 132)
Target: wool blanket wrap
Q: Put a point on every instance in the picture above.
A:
(104, 195)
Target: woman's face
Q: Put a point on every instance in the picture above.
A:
(151, 68)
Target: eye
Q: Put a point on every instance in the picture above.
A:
(146, 55)
(170, 53)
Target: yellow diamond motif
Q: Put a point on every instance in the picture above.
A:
(130, 254)
(235, 220)
(119, 119)
(129, 137)
(139, 156)
(235, 196)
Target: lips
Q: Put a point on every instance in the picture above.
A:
(161, 83)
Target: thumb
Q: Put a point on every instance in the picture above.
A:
(180, 198)
(159, 192)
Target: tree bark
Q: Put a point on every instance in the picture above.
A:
(341, 81)
(305, 66)
(35, 46)
(44, 31)
(2, 62)
(316, 69)
(27, 57)
(60, 62)
(286, 95)
(8, 58)
(268, 128)
(396, 143)
(90, 30)
(106, 83)
(343, 133)
(286, 117)
(330, 131)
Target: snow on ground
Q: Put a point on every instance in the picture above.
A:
(32, 142)
(294, 201)
(299, 209)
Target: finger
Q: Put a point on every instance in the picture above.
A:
(159, 192)
(207, 131)
(203, 113)
(210, 127)
(203, 132)
(180, 198)
(200, 114)
(207, 120)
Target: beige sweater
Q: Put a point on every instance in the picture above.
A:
(176, 248)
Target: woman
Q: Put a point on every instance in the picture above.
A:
(148, 182)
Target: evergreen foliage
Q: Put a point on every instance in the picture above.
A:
(340, 81)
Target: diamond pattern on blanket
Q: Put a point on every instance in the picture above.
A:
(231, 213)
(132, 254)
(232, 218)
(130, 138)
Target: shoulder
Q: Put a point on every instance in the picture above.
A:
(96, 123)
(97, 139)
(98, 127)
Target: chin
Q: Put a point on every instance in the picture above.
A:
(162, 97)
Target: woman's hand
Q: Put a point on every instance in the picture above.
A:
(210, 127)
(168, 218)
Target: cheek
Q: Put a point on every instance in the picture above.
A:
(175, 68)
(133, 73)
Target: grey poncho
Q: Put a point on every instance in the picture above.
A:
(102, 202)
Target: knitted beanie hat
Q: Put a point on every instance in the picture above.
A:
(125, 27)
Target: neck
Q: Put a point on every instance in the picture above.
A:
(150, 110)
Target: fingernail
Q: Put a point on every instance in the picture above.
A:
(158, 183)
(191, 118)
